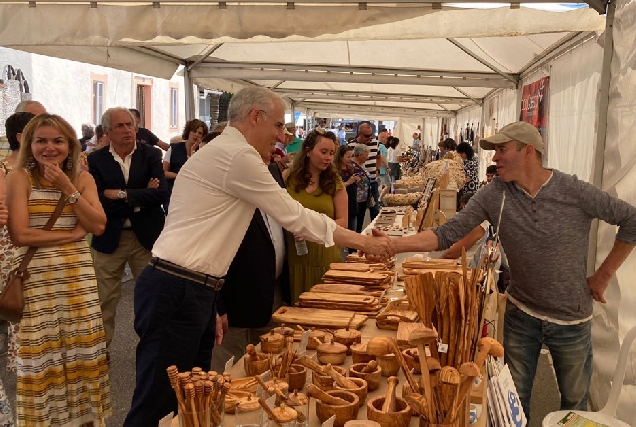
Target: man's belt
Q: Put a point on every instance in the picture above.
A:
(194, 276)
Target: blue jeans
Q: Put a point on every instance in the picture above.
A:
(175, 319)
(570, 347)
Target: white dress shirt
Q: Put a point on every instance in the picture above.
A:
(124, 164)
(278, 240)
(213, 202)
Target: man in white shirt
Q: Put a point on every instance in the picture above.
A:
(214, 198)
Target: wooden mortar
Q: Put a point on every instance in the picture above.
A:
(333, 352)
(253, 368)
(272, 343)
(297, 377)
(359, 353)
(389, 363)
(400, 418)
(343, 413)
(412, 358)
(361, 390)
(373, 378)
(325, 382)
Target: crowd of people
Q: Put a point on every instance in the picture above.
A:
(229, 225)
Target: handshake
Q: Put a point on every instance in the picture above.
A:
(378, 247)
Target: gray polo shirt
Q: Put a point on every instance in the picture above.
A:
(546, 239)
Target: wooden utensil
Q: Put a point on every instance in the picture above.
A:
(488, 346)
(389, 401)
(419, 404)
(309, 363)
(316, 393)
(341, 380)
(449, 381)
(420, 337)
(469, 371)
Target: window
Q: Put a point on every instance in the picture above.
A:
(174, 107)
(98, 91)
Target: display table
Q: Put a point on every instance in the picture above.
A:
(368, 331)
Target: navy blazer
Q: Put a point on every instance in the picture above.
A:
(148, 221)
(247, 296)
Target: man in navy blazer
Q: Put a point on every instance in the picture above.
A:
(131, 187)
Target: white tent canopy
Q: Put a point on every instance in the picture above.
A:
(403, 60)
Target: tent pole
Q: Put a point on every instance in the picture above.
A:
(189, 94)
(601, 133)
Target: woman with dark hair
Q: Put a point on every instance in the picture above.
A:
(180, 152)
(342, 161)
(449, 144)
(314, 181)
(62, 369)
(470, 169)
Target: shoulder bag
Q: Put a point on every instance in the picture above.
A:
(12, 297)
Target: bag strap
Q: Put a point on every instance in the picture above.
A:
(49, 224)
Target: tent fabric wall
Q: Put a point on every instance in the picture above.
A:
(612, 320)
(574, 82)
(499, 110)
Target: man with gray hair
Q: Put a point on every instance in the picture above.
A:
(33, 107)
(131, 187)
(214, 199)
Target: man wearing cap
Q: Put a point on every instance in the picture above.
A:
(280, 155)
(297, 141)
(545, 228)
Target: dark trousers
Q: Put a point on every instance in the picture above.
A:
(362, 210)
(175, 320)
(375, 193)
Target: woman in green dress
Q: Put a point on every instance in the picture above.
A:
(314, 181)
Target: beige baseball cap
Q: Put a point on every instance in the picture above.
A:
(518, 131)
(290, 128)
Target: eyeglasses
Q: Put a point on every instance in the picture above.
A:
(279, 126)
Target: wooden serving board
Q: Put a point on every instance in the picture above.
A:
(350, 266)
(339, 301)
(344, 288)
(332, 319)
(429, 264)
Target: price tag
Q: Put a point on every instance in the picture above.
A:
(304, 340)
(442, 348)
(329, 422)
(271, 401)
(265, 376)
(476, 381)
(229, 364)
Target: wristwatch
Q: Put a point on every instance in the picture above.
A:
(73, 198)
(122, 194)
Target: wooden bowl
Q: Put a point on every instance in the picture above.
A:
(297, 379)
(411, 361)
(272, 343)
(390, 365)
(343, 413)
(347, 337)
(400, 418)
(325, 382)
(253, 368)
(333, 352)
(373, 378)
(318, 335)
(359, 353)
(361, 391)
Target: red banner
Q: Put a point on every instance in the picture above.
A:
(534, 105)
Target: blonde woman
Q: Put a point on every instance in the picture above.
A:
(62, 363)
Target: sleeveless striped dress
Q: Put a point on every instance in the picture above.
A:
(62, 367)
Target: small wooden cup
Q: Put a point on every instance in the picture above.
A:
(272, 343)
(297, 377)
(347, 337)
(411, 362)
(333, 352)
(361, 391)
(390, 365)
(325, 382)
(343, 413)
(373, 378)
(359, 353)
(400, 418)
(253, 368)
